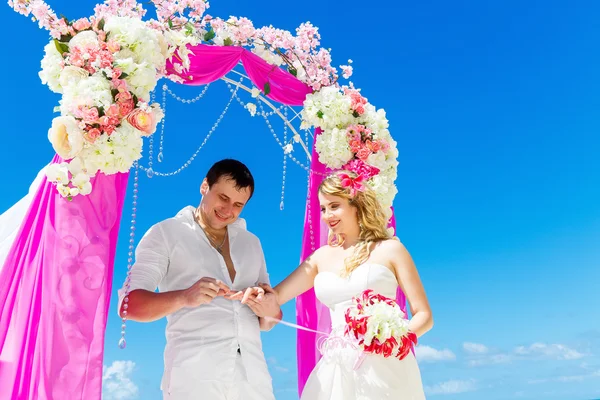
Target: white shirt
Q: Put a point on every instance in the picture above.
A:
(202, 342)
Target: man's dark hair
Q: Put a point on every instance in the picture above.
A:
(231, 169)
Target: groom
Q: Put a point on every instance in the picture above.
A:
(199, 260)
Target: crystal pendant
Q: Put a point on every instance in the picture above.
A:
(150, 172)
(122, 343)
(159, 157)
(281, 205)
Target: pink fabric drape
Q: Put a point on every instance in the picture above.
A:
(209, 63)
(55, 288)
(310, 312)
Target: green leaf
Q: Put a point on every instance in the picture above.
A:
(135, 100)
(101, 24)
(355, 114)
(293, 71)
(170, 23)
(320, 114)
(114, 92)
(228, 42)
(61, 47)
(267, 88)
(189, 29)
(65, 38)
(210, 35)
(123, 75)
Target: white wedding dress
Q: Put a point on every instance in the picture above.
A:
(376, 378)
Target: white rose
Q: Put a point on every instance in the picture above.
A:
(66, 137)
(142, 80)
(84, 39)
(71, 75)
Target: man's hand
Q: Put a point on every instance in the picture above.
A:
(204, 291)
(261, 299)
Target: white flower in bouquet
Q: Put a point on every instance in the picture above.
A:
(117, 152)
(333, 148)
(66, 137)
(328, 108)
(385, 321)
(376, 120)
(137, 37)
(51, 68)
(95, 91)
(72, 75)
(85, 39)
(82, 183)
(142, 80)
(58, 173)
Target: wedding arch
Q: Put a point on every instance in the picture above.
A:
(56, 280)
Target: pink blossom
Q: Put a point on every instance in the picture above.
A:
(123, 96)
(89, 115)
(93, 134)
(363, 153)
(142, 121)
(81, 24)
(112, 111)
(113, 46)
(361, 168)
(126, 107)
(109, 129)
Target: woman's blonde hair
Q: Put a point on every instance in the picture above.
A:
(371, 218)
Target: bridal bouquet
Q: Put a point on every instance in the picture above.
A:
(379, 326)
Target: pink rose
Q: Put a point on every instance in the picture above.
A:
(126, 107)
(112, 111)
(109, 129)
(123, 96)
(359, 109)
(102, 36)
(116, 73)
(89, 115)
(142, 121)
(363, 153)
(113, 46)
(93, 134)
(81, 24)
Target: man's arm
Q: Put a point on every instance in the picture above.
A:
(152, 262)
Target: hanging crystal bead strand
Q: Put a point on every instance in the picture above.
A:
(122, 341)
(285, 154)
(160, 156)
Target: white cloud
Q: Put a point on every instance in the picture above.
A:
(275, 365)
(117, 383)
(451, 387)
(475, 348)
(566, 378)
(429, 354)
(490, 360)
(554, 351)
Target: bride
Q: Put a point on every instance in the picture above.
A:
(360, 255)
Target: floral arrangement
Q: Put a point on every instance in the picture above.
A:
(379, 325)
(105, 70)
(105, 67)
(354, 137)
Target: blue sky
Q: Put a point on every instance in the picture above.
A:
(495, 109)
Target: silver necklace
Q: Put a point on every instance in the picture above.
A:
(219, 247)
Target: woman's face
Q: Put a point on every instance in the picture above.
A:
(339, 215)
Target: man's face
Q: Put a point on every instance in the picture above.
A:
(222, 203)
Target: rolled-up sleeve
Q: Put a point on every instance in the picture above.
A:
(263, 275)
(151, 263)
